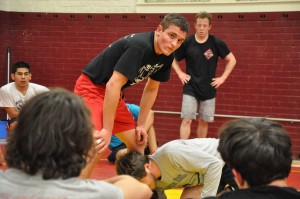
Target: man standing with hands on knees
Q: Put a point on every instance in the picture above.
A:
(125, 62)
(201, 52)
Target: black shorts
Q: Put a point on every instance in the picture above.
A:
(112, 156)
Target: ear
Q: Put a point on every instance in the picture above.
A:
(159, 29)
(238, 178)
(209, 27)
(12, 76)
(147, 167)
(30, 75)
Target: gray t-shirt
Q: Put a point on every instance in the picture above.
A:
(16, 184)
(187, 163)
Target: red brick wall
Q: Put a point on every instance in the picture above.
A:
(265, 82)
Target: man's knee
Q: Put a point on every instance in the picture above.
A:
(186, 122)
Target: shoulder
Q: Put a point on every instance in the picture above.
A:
(140, 38)
(216, 40)
(8, 86)
(38, 87)
(189, 40)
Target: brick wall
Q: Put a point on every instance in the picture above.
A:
(265, 82)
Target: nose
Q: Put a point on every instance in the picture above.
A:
(174, 42)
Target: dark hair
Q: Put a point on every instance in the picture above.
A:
(177, 20)
(259, 149)
(53, 136)
(203, 15)
(20, 64)
(132, 163)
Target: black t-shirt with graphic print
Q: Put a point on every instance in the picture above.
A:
(133, 56)
(201, 64)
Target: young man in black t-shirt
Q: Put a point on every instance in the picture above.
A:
(126, 62)
(201, 52)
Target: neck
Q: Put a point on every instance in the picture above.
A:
(156, 48)
(200, 39)
(279, 183)
(22, 89)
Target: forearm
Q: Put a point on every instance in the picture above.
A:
(149, 120)
(147, 101)
(176, 67)
(11, 112)
(111, 99)
(231, 62)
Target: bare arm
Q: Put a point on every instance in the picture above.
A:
(146, 103)
(111, 99)
(130, 187)
(231, 62)
(184, 78)
(11, 111)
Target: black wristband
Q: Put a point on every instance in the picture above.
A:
(12, 120)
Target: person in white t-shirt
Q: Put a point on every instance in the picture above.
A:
(15, 94)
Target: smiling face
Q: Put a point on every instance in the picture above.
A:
(21, 77)
(168, 40)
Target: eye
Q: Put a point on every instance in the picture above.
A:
(172, 36)
(180, 40)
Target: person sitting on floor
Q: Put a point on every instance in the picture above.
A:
(48, 148)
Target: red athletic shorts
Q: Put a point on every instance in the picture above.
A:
(93, 96)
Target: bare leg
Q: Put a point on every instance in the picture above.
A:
(191, 192)
(129, 138)
(202, 128)
(185, 128)
(152, 143)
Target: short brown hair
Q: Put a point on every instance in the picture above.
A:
(203, 15)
